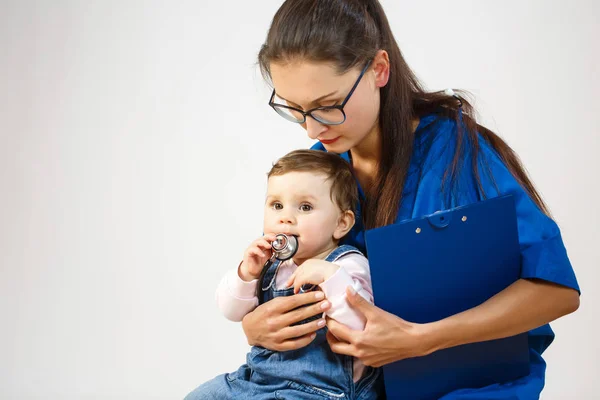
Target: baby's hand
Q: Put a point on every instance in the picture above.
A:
(313, 272)
(255, 257)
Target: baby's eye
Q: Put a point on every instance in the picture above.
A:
(306, 207)
(276, 206)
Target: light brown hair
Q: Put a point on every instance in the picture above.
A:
(344, 190)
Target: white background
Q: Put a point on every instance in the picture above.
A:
(134, 142)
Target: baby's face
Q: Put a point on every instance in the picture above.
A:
(299, 203)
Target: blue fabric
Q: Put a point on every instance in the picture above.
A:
(426, 191)
(312, 372)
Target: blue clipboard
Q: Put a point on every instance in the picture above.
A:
(429, 268)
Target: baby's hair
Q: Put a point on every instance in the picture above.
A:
(344, 190)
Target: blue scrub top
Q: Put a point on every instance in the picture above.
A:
(542, 250)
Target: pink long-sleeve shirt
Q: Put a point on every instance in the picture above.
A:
(236, 297)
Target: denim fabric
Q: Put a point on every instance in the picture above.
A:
(313, 372)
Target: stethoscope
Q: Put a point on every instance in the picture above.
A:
(283, 248)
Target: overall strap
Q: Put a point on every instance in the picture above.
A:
(341, 251)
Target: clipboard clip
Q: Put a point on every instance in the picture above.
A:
(440, 219)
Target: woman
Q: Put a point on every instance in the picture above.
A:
(337, 70)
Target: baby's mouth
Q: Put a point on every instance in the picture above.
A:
(290, 234)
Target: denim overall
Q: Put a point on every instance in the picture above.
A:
(313, 372)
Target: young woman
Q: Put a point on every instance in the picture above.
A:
(337, 71)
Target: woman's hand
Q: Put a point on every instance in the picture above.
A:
(269, 324)
(385, 339)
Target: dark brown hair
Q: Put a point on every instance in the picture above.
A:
(350, 32)
(344, 190)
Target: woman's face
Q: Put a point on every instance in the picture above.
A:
(306, 85)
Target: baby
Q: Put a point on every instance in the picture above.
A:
(311, 195)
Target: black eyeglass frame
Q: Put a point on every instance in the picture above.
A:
(309, 112)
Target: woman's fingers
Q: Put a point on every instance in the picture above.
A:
(297, 343)
(290, 308)
(302, 313)
(299, 334)
(269, 325)
(340, 331)
(284, 304)
(338, 346)
(359, 303)
(303, 329)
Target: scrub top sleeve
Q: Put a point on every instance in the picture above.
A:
(543, 252)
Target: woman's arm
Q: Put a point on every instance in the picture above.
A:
(525, 305)
(521, 307)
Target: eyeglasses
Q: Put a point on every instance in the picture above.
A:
(327, 115)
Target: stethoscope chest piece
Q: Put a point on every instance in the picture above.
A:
(284, 247)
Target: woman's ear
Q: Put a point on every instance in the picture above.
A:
(381, 66)
(345, 223)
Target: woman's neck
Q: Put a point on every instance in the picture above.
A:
(365, 157)
(368, 151)
(367, 154)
